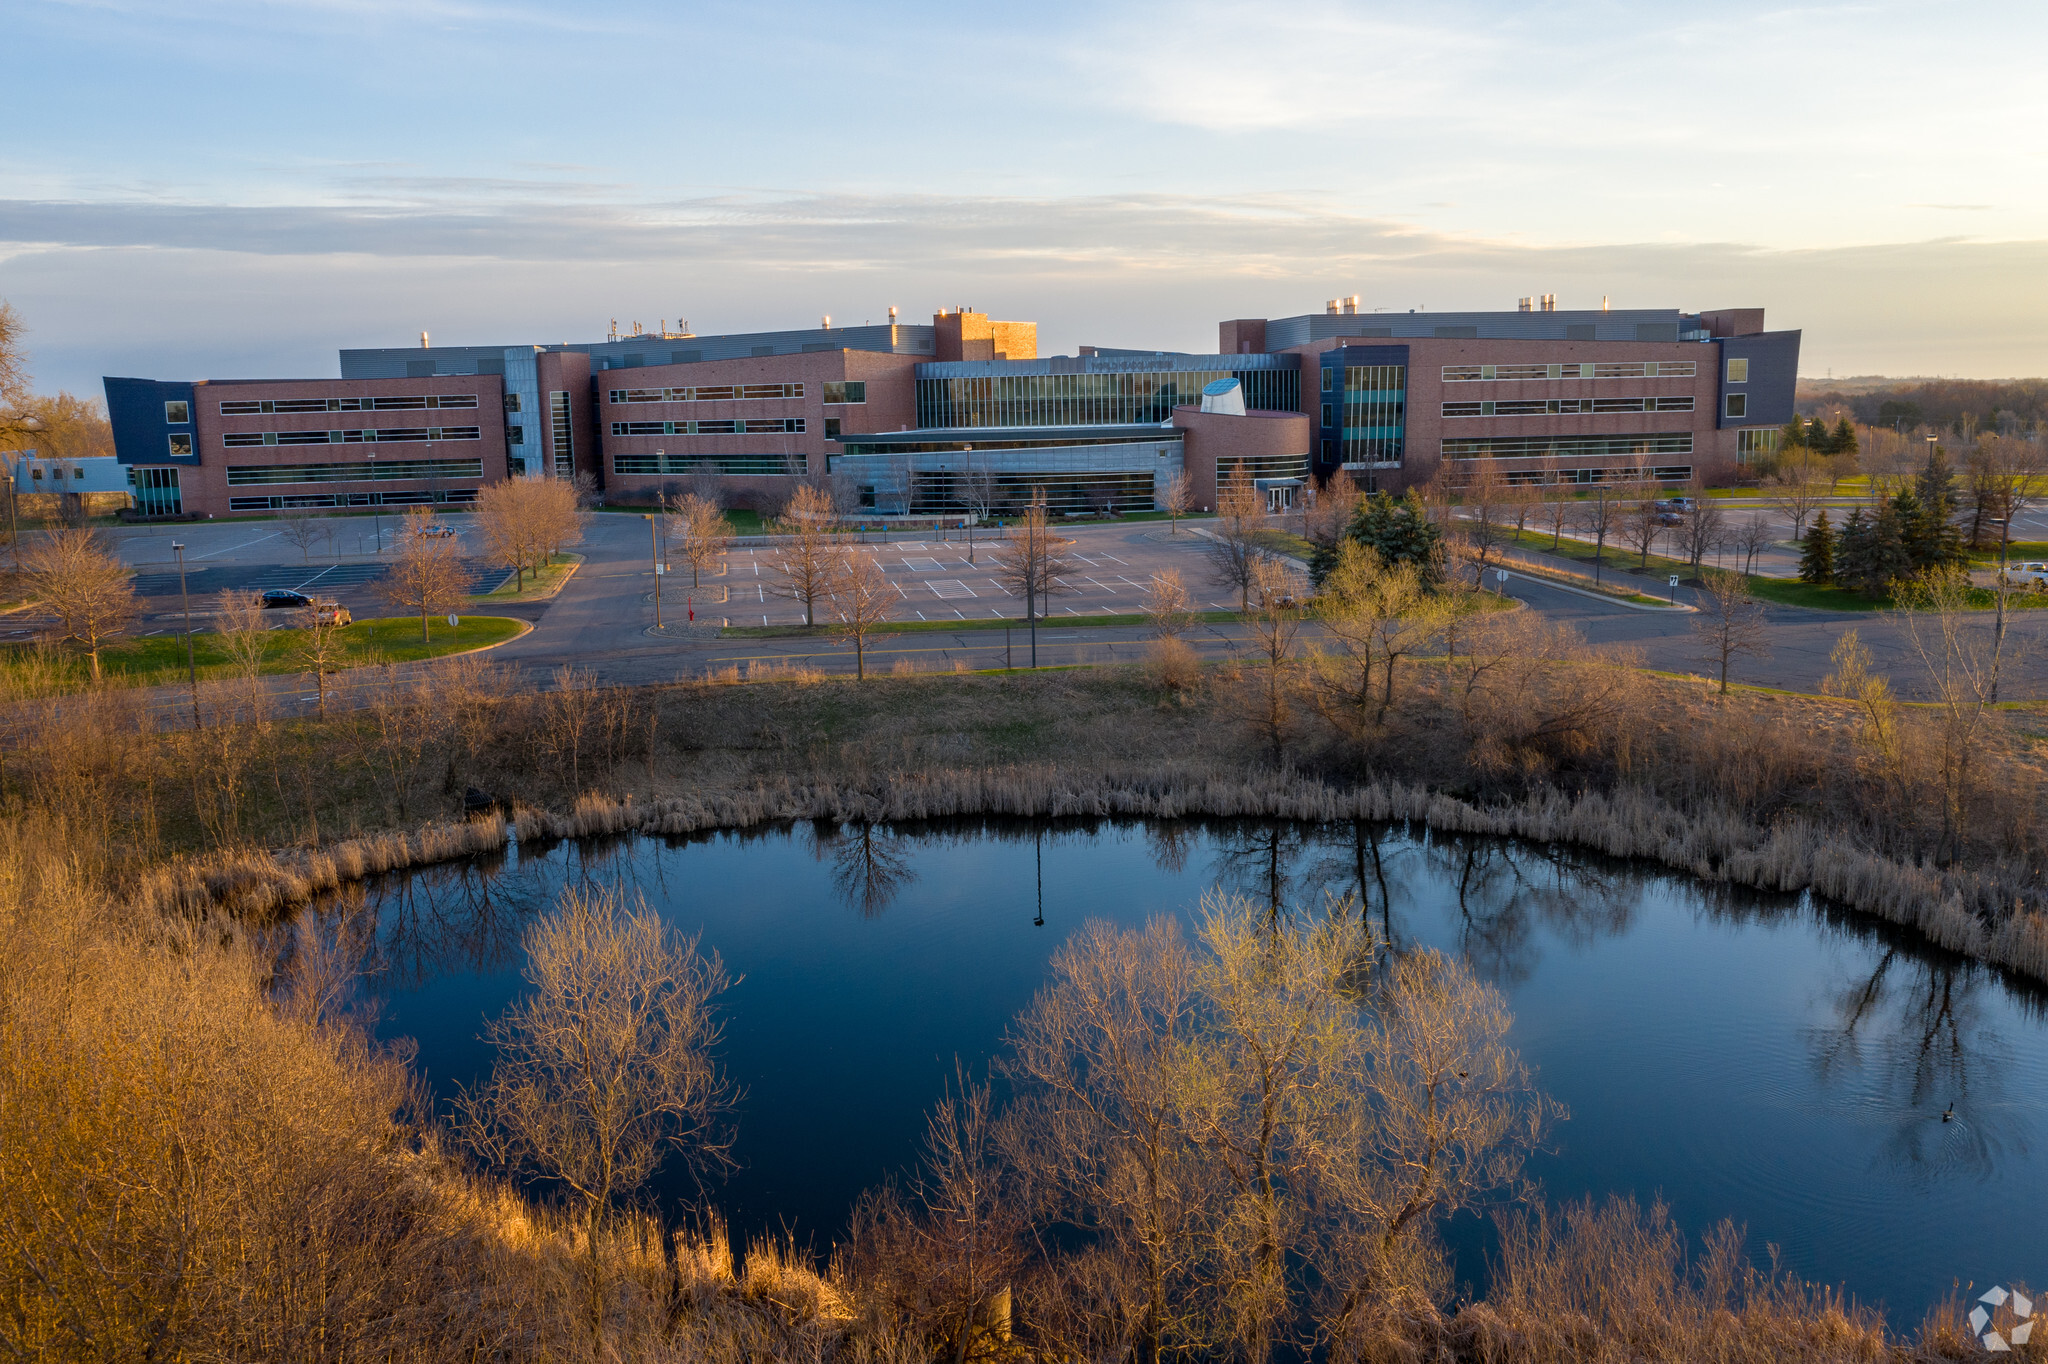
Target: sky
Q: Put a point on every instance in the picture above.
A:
(239, 190)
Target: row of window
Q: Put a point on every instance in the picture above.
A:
(364, 471)
(368, 437)
(737, 426)
(721, 393)
(288, 501)
(1374, 413)
(664, 463)
(415, 402)
(1605, 369)
(564, 433)
(1575, 447)
(1091, 399)
(1663, 473)
(1555, 407)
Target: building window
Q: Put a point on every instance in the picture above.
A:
(1375, 413)
(1565, 407)
(1757, 440)
(156, 492)
(365, 436)
(368, 471)
(852, 391)
(177, 413)
(724, 393)
(409, 402)
(1109, 397)
(515, 435)
(1738, 371)
(1543, 447)
(661, 462)
(831, 428)
(511, 402)
(1736, 405)
(1632, 369)
(1329, 378)
(1329, 415)
(733, 426)
(565, 443)
(181, 445)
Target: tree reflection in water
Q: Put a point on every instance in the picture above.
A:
(462, 916)
(1912, 1028)
(869, 868)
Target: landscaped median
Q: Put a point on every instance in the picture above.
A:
(160, 659)
(545, 583)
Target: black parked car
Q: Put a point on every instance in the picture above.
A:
(284, 596)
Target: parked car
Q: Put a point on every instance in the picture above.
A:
(332, 613)
(438, 532)
(1670, 518)
(2034, 575)
(284, 597)
(1678, 505)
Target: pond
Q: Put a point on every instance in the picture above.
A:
(1738, 1054)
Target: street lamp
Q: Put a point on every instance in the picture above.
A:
(654, 553)
(376, 506)
(973, 501)
(191, 664)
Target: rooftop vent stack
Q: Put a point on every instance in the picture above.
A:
(1330, 307)
(825, 322)
(423, 340)
(1351, 304)
(892, 314)
(1603, 303)
(1550, 303)
(1522, 305)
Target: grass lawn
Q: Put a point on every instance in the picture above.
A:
(159, 659)
(546, 583)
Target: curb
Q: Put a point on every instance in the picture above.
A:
(1676, 609)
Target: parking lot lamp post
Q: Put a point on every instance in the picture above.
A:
(654, 552)
(191, 663)
(973, 500)
(376, 505)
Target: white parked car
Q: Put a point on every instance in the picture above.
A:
(2034, 575)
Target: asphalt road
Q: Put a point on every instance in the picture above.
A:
(603, 620)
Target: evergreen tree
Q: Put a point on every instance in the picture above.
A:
(1817, 557)
(1852, 551)
(1927, 515)
(1889, 558)
(1844, 442)
(1398, 531)
(1792, 437)
(1817, 437)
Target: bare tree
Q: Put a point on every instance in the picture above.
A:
(1174, 497)
(605, 1068)
(862, 596)
(426, 574)
(1488, 510)
(699, 529)
(1233, 549)
(1752, 539)
(242, 631)
(1032, 563)
(1797, 488)
(1704, 528)
(322, 650)
(1375, 614)
(807, 561)
(1168, 607)
(707, 482)
(1641, 525)
(79, 580)
(1730, 622)
(1597, 517)
(508, 524)
(1275, 620)
(301, 528)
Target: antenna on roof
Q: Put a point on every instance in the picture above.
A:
(423, 341)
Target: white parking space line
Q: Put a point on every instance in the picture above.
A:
(1104, 586)
(950, 589)
(998, 587)
(1128, 583)
(232, 548)
(1113, 559)
(922, 565)
(1086, 560)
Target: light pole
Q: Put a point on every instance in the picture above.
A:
(654, 552)
(191, 664)
(973, 501)
(376, 506)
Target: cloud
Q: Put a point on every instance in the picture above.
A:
(1961, 208)
(196, 289)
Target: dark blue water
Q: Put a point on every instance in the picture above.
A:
(1740, 1055)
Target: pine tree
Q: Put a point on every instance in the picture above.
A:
(1889, 558)
(1927, 513)
(1844, 442)
(1817, 437)
(1792, 437)
(1400, 532)
(1817, 557)
(1852, 551)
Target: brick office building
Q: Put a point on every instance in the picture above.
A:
(914, 418)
